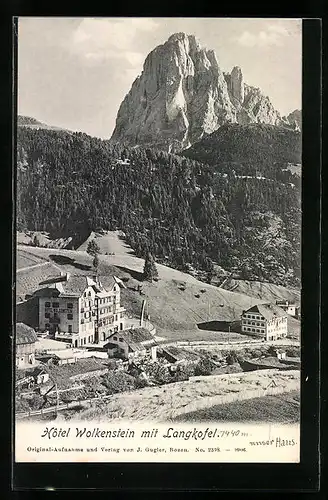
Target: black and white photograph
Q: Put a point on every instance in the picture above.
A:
(158, 242)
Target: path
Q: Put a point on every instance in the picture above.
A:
(32, 266)
(233, 345)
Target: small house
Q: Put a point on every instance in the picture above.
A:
(25, 345)
(40, 375)
(131, 344)
(288, 307)
(64, 357)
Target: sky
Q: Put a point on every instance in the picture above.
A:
(75, 72)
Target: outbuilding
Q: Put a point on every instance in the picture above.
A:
(25, 345)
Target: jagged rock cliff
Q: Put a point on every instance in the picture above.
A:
(182, 94)
(295, 119)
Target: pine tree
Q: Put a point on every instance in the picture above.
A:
(95, 262)
(150, 270)
(93, 248)
(36, 241)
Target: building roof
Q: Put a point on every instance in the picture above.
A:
(31, 279)
(74, 285)
(64, 354)
(25, 334)
(136, 335)
(268, 311)
(180, 354)
(39, 371)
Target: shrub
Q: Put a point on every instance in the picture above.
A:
(204, 367)
(140, 383)
(232, 358)
(118, 382)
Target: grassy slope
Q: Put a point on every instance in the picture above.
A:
(163, 403)
(171, 309)
(282, 408)
(266, 291)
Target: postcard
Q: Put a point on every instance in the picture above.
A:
(158, 256)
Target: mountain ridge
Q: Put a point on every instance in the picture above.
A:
(33, 123)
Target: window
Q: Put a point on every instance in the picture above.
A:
(47, 325)
(70, 329)
(55, 305)
(47, 304)
(114, 338)
(69, 316)
(121, 339)
(47, 315)
(69, 305)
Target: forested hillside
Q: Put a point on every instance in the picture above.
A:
(186, 213)
(249, 149)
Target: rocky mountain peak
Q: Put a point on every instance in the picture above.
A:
(237, 84)
(182, 94)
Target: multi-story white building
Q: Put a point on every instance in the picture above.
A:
(265, 320)
(79, 309)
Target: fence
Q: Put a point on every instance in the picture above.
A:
(61, 406)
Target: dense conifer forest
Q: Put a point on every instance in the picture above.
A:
(186, 213)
